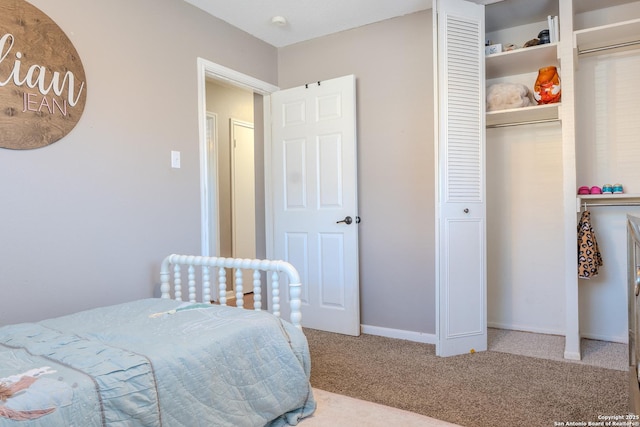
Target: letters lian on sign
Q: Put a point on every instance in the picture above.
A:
(42, 81)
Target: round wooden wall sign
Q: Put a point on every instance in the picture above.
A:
(43, 88)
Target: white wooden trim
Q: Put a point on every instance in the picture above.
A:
(205, 213)
(220, 72)
(608, 338)
(212, 206)
(436, 163)
(432, 338)
(399, 334)
(523, 328)
(268, 187)
(567, 115)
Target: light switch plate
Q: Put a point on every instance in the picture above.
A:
(175, 159)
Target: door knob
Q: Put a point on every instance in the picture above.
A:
(347, 220)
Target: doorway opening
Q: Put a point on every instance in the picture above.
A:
(232, 106)
(232, 172)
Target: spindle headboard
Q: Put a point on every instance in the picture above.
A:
(171, 282)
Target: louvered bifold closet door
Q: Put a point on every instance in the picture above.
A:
(461, 173)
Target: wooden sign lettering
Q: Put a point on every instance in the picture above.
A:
(43, 88)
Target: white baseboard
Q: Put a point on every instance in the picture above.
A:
(432, 338)
(599, 337)
(609, 338)
(572, 356)
(523, 328)
(399, 334)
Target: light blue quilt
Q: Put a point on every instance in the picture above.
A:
(155, 362)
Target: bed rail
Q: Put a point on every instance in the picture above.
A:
(192, 263)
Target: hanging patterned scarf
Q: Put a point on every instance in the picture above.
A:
(589, 258)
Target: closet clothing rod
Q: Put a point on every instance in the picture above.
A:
(586, 205)
(528, 122)
(613, 46)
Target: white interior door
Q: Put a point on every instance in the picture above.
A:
(313, 167)
(243, 222)
(462, 283)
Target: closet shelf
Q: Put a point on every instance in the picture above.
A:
(523, 116)
(520, 61)
(610, 38)
(625, 199)
(609, 196)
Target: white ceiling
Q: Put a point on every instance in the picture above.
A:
(306, 19)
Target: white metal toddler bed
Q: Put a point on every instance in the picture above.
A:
(163, 361)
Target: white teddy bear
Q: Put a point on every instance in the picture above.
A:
(502, 96)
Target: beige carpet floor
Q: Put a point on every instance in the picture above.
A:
(335, 410)
(522, 380)
(604, 354)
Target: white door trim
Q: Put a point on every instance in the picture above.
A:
(213, 223)
(207, 69)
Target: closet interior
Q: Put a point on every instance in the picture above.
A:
(538, 156)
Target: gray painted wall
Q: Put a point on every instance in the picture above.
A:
(87, 220)
(393, 65)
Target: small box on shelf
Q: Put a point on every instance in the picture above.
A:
(493, 48)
